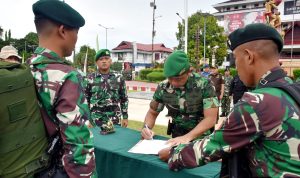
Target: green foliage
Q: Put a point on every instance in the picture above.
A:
(80, 57)
(221, 71)
(116, 66)
(233, 71)
(214, 36)
(144, 72)
(156, 76)
(296, 73)
(158, 70)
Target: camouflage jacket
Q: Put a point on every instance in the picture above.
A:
(265, 122)
(60, 92)
(227, 83)
(107, 98)
(186, 105)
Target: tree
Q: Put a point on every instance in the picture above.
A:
(5, 36)
(116, 66)
(9, 35)
(80, 57)
(214, 37)
(1, 32)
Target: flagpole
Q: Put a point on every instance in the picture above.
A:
(97, 43)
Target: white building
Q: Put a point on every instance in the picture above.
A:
(235, 14)
(139, 56)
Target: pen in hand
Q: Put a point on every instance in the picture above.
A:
(149, 131)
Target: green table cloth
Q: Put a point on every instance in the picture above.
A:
(114, 161)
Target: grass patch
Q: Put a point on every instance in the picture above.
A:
(131, 91)
(158, 129)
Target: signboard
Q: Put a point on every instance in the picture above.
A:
(292, 7)
(239, 20)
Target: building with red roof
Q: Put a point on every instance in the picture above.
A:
(138, 55)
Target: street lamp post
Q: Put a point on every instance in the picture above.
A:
(152, 4)
(106, 28)
(186, 25)
(182, 30)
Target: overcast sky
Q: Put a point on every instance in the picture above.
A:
(131, 19)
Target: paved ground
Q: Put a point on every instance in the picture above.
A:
(141, 95)
(137, 109)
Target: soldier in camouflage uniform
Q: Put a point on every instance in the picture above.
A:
(226, 100)
(189, 98)
(265, 122)
(60, 91)
(106, 94)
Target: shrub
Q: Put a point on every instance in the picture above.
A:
(296, 73)
(221, 71)
(116, 66)
(156, 77)
(233, 71)
(144, 72)
(158, 70)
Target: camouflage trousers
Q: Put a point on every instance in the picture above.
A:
(226, 105)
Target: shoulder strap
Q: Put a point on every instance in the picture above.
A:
(8, 65)
(50, 61)
(292, 89)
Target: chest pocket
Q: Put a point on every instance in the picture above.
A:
(170, 99)
(194, 101)
(114, 85)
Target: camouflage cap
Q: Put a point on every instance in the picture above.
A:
(176, 64)
(58, 11)
(252, 32)
(101, 53)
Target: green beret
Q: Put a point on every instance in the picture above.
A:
(58, 11)
(101, 53)
(176, 64)
(252, 32)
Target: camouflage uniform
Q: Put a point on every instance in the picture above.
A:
(63, 103)
(186, 105)
(266, 123)
(107, 98)
(226, 97)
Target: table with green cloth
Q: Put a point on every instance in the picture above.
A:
(114, 161)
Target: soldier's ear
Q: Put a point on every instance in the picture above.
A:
(61, 31)
(249, 57)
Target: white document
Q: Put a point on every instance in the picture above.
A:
(149, 147)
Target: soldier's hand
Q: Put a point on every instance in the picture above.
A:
(124, 123)
(178, 140)
(164, 154)
(147, 133)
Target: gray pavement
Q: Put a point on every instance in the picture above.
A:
(141, 95)
(137, 109)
